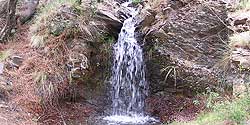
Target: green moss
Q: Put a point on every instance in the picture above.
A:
(136, 1)
(108, 38)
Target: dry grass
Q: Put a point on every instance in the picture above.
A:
(53, 80)
(43, 79)
(39, 32)
(240, 40)
(4, 55)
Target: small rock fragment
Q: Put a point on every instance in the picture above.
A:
(16, 61)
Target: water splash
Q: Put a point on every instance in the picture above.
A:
(129, 86)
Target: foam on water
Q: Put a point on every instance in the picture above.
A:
(135, 119)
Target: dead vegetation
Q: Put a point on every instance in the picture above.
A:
(58, 31)
(56, 49)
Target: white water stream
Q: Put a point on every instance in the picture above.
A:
(129, 86)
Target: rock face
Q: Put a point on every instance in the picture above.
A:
(3, 7)
(183, 44)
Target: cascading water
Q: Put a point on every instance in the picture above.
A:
(129, 86)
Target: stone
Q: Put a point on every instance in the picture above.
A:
(16, 61)
(111, 20)
(26, 11)
(186, 41)
(145, 18)
(107, 15)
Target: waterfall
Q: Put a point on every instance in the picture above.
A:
(129, 86)
(128, 74)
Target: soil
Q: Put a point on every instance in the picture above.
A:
(177, 107)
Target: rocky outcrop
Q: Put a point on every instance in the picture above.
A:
(113, 13)
(183, 42)
(26, 10)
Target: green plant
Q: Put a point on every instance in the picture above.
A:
(235, 111)
(196, 102)
(212, 97)
(109, 38)
(136, 1)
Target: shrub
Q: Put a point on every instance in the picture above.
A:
(136, 1)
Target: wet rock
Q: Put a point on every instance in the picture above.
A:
(112, 14)
(120, 1)
(123, 13)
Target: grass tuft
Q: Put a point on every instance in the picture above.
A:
(39, 30)
(240, 40)
(4, 55)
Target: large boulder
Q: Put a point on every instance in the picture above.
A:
(183, 44)
(107, 12)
